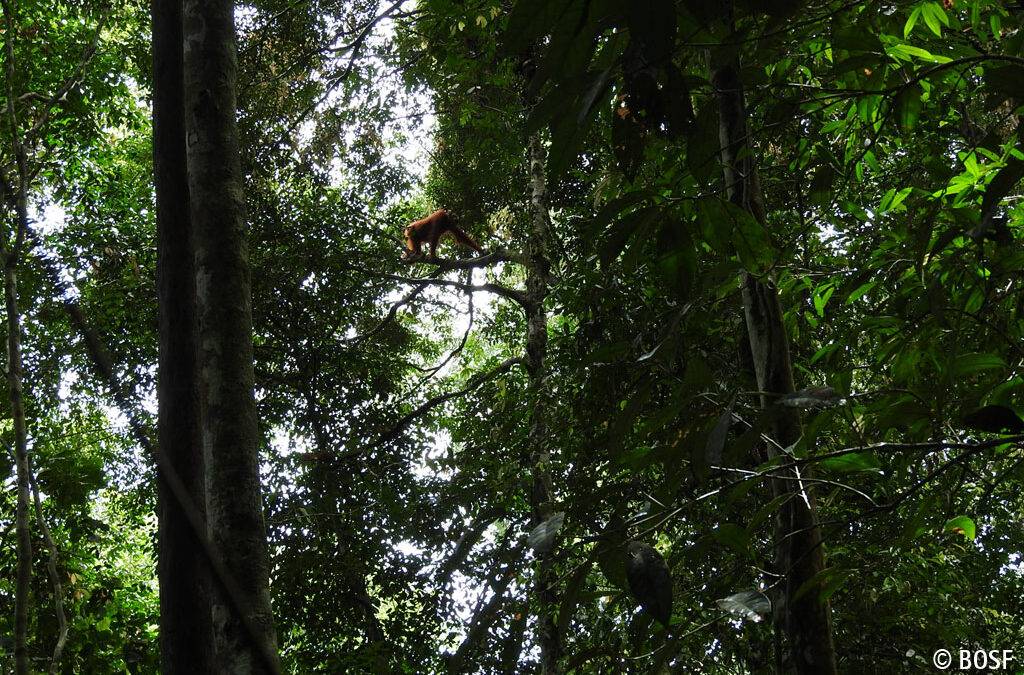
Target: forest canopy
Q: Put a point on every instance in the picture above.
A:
(718, 365)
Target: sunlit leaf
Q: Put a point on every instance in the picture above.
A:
(751, 605)
(960, 525)
(854, 461)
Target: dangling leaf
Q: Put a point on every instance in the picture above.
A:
(716, 439)
(908, 107)
(627, 145)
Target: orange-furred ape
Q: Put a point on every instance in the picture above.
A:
(429, 230)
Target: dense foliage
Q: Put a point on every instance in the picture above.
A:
(395, 410)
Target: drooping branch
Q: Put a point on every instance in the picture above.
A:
(427, 406)
(486, 612)
(390, 316)
(433, 370)
(464, 545)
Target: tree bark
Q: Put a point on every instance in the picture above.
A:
(186, 629)
(799, 557)
(229, 429)
(542, 495)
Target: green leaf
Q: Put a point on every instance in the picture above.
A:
(934, 17)
(908, 107)
(908, 27)
(609, 352)
(994, 418)
(1001, 184)
(553, 105)
(860, 291)
(610, 554)
(678, 262)
(753, 247)
(821, 298)
(822, 581)
(702, 144)
(571, 594)
(969, 364)
(733, 536)
(714, 225)
(909, 53)
(620, 233)
(765, 511)
(960, 525)
(637, 459)
(892, 199)
(855, 461)
(833, 584)
(611, 210)
(599, 84)
(821, 185)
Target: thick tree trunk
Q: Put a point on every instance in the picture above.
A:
(542, 495)
(230, 434)
(186, 630)
(799, 557)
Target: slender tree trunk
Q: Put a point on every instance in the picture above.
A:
(230, 433)
(542, 495)
(14, 379)
(10, 260)
(58, 587)
(186, 629)
(799, 556)
(24, 536)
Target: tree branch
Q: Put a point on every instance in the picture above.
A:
(87, 54)
(495, 256)
(510, 293)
